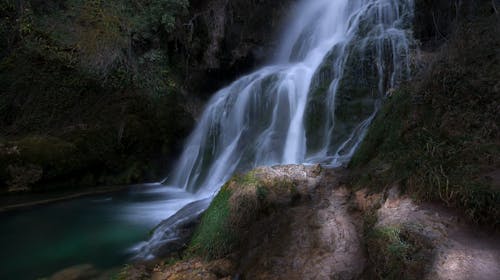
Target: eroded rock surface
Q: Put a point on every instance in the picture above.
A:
(320, 229)
(315, 240)
(460, 250)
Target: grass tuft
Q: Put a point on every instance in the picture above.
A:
(397, 253)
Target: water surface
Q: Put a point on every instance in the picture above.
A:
(98, 230)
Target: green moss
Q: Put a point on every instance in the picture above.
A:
(214, 236)
(248, 178)
(384, 135)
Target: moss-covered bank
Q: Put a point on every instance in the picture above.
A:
(239, 204)
(438, 135)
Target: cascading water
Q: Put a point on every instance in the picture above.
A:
(313, 105)
(261, 118)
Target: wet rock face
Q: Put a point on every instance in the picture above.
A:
(172, 234)
(227, 38)
(238, 30)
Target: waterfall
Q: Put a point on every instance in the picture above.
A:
(336, 62)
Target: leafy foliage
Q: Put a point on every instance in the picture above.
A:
(93, 75)
(111, 39)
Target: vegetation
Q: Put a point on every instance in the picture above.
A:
(219, 231)
(438, 136)
(397, 253)
(88, 92)
(110, 78)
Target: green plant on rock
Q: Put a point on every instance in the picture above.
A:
(397, 253)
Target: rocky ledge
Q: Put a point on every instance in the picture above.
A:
(305, 222)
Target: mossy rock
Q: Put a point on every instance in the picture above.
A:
(243, 201)
(214, 237)
(384, 135)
